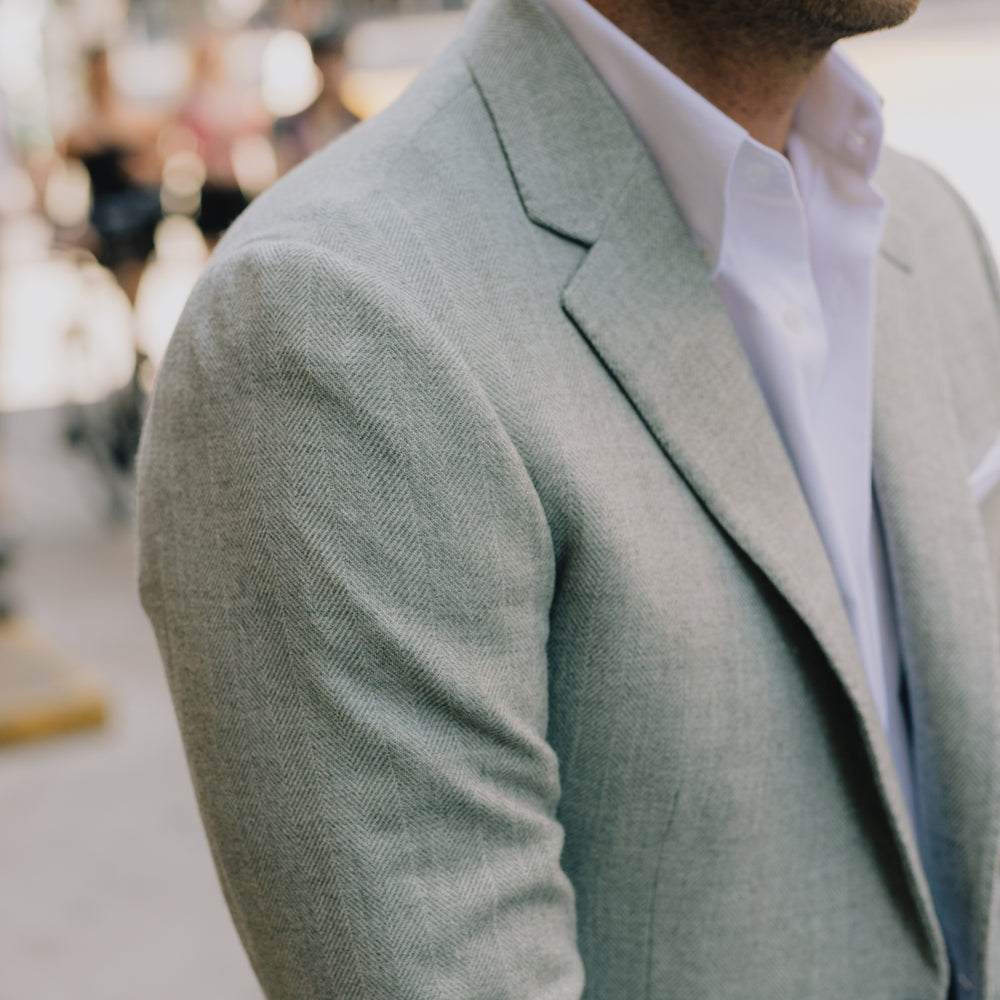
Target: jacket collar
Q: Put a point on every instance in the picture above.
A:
(570, 148)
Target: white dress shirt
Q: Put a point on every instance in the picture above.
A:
(791, 242)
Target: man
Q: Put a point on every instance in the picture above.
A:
(508, 530)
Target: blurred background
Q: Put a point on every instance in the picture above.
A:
(131, 134)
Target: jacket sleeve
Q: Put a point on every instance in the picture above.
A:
(350, 574)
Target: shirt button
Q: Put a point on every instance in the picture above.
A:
(756, 174)
(964, 981)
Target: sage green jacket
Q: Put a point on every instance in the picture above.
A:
(508, 659)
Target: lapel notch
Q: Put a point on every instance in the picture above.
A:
(569, 146)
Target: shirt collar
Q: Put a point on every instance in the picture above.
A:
(694, 143)
(841, 114)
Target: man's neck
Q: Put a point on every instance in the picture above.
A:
(756, 84)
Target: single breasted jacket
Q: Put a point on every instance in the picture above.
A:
(506, 654)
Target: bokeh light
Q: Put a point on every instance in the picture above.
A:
(289, 80)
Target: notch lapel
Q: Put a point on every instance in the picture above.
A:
(644, 300)
(946, 611)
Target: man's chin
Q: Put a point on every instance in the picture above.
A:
(809, 24)
(847, 18)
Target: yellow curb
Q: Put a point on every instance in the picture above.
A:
(41, 692)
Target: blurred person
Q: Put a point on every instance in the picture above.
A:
(218, 112)
(117, 146)
(570, 520)
(298, 136)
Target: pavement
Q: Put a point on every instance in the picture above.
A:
(108, 891)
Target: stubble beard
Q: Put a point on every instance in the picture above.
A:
(790, 25)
